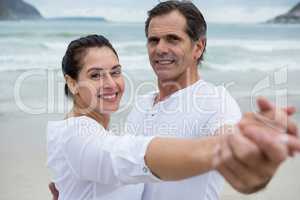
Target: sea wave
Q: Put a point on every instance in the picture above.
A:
(250, 65)
(32, 34)
(54, 45)
(256, 45)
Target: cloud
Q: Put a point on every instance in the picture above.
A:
(240, 14)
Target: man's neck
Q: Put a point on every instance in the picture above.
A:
(167, 88)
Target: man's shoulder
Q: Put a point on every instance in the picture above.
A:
(207, 90)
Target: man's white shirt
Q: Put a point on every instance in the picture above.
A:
(193, 112)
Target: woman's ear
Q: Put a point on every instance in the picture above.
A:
(72, 84)
(199, 48)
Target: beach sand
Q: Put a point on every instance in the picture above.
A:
(23, 169)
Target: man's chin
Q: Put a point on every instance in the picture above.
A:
(164, 76)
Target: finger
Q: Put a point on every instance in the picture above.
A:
(250, 177)
(264, 104)
(267, 106)
(247, 119)
(233, 180)
(292, 127)
(264, 118)
(275, 149)
(245, 151)
(278, 119)
(274, 118)
(53, 191)
(227, 173)
(290, 110)
(292, 142)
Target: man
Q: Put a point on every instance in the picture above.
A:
(187, 106)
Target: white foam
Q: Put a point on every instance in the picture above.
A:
(121, 45)
(256, 45)
(251, 65)
(55, 45)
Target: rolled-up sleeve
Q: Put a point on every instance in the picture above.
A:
(93, 154)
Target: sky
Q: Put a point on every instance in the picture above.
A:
(248, 11)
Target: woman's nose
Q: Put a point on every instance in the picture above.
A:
(109, 82)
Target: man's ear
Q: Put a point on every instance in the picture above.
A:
(199, 48)
(72, 84)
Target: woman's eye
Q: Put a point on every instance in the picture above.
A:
(95, 76)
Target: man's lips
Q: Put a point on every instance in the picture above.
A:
(163, 62)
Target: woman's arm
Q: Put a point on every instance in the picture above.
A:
(109, 159)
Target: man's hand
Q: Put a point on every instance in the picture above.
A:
(249, 159)
(53, 191)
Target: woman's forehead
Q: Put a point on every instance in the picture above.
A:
(103, 58)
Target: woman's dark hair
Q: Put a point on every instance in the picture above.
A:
(77, 49)
(196, 24)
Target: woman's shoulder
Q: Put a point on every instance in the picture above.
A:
(81, 126)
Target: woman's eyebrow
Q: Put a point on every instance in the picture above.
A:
(95, 69)
(102, 69)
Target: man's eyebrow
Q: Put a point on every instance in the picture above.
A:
(173, 36)
(151, 38)
(116, 67)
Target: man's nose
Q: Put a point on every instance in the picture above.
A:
(162, 47)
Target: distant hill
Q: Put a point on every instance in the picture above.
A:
(78, 19)
(291, 17)
(18, 10)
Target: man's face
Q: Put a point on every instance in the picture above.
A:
(171, 51)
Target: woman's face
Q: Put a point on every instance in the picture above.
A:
(100, 83)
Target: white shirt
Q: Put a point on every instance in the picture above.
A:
(196, 111)
(91, 163)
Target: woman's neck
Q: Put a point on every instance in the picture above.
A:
(102, 119)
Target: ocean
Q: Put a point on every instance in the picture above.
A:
(240, 47)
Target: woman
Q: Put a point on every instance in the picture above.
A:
(90, 162)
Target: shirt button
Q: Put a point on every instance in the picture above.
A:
(145, 169)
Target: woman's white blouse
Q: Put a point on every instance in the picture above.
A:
(89, 162)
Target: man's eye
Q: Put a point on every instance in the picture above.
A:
(153, 41)
(173, 39)
(116, 73)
